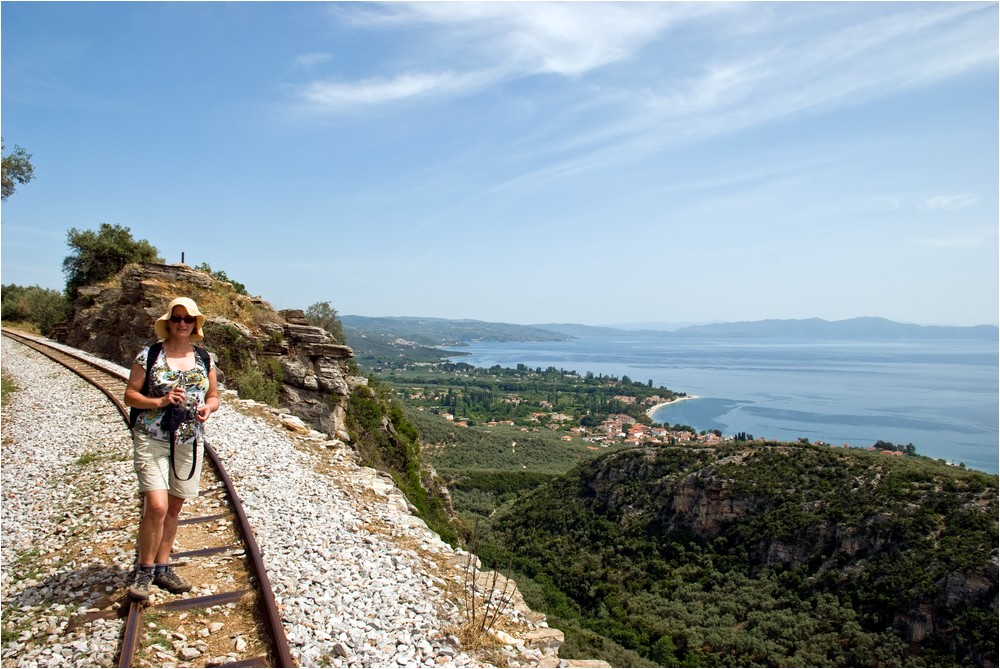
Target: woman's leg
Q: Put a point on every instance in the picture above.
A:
(151, 528)
(154, 511)
(169, 528)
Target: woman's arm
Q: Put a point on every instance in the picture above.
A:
(133, 392)
(211, 404)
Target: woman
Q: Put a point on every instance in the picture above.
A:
(168, 460)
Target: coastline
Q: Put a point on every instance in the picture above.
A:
(656, 408)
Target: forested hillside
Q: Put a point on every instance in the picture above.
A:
(763, 555)
(446, 332)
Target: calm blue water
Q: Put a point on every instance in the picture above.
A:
(941, 396)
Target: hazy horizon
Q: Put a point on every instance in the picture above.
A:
(663, 324)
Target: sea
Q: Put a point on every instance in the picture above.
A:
(939, 395)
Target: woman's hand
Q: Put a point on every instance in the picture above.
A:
(202, 413)
(174, 396)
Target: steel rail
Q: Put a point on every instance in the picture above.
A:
(60, 357)
(272, 618)
(280, 652)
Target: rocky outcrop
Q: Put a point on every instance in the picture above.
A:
(704, 505)
(315, 368)
(115, 320)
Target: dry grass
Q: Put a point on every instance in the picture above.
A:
(485, 598)
(218, 300)
(23, 326)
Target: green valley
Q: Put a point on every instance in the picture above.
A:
(656, 546)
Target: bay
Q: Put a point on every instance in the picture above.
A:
(941, 396)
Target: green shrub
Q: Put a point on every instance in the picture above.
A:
(255, 377)
(221, 276)
(387, 441)
(39, 306)
(260, 384)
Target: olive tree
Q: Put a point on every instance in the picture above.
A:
(323, 315)
(17, 167)
(98, 256)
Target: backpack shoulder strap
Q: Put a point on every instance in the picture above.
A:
(154, 353)
(206, 357)
(151, 356)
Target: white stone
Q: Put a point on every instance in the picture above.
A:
(188, 653)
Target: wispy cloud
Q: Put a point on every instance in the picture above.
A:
(335, 95)
(782, 69)
(312, 59)
(543, 37)
(495, 42)
(949, 202)
(768, 67)
(699, 69)
(567, 39)
(414, 264)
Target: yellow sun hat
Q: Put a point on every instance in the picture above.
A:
(161, 323)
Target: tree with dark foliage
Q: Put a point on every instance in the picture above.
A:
(17, 167)
(97, 256)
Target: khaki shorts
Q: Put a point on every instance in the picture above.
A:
(151, 458)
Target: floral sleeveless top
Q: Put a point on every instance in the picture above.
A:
(161, 379)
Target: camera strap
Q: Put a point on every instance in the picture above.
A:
(194, 458)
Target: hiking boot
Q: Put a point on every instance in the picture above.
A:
(169, 580)
(139, 590)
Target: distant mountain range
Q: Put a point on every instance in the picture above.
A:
(853, 328)
(445, 332)
(809, 328)
(434, 332)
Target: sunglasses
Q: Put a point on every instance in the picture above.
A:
(187, 319)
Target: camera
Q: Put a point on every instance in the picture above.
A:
(190, 407)
(177, 414)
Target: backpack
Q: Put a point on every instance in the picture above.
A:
(154, 353)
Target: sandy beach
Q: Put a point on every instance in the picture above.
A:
(653, 410)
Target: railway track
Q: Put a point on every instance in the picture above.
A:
(217, 524)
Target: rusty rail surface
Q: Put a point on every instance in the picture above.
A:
(112, 384)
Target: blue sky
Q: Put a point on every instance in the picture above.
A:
(520, 162)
